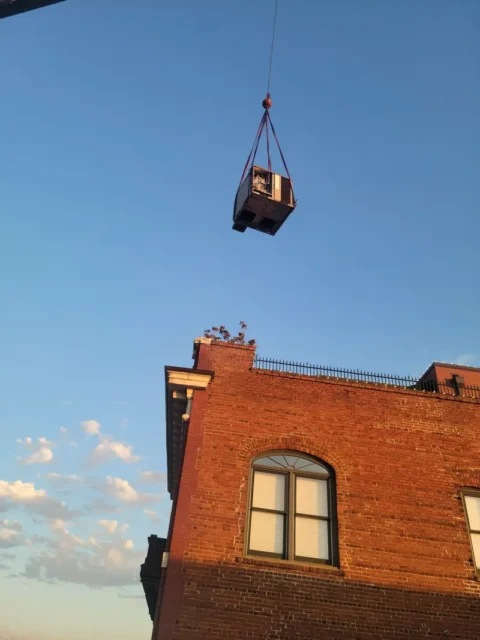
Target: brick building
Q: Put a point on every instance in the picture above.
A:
(314, 503)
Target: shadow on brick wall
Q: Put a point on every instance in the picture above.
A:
(240, 600)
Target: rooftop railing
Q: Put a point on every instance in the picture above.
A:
(449, 387)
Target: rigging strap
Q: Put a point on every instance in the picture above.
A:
(265, 123)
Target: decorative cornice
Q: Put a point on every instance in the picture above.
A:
(187, 378)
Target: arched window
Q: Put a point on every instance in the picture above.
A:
(292, 511)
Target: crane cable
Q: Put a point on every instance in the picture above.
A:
(266, 119)
(271, 48)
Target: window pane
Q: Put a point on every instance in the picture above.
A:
(476, 548)
(311, 538)
(266, 532)
(473, 510)
(280, 460)
(267, 462)
(312, 497)
(269, 491)
(305, 465)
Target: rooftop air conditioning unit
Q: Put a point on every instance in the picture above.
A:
(263, 202)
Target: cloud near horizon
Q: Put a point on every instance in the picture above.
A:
(11, 534)
(87, 546)
(69, 558)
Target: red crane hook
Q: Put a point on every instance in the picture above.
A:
(267, 103)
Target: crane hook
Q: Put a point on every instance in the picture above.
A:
(267, 103)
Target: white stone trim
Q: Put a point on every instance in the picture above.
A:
(188, 379)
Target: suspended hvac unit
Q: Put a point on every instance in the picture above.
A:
(264, 201)
(10, 8)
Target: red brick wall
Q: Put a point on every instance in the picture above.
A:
(445, 372)
(400, 458)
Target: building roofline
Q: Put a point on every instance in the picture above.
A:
(449, 365)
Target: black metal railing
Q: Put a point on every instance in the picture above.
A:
(357, 375)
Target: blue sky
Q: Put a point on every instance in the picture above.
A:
(124, 135)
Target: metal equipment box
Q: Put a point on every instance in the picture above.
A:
(263, 202)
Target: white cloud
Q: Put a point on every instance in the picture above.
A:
(64, 537)
(152, 515)
(108, 450)
(61, 478)
(58, 525)
(109, 525)
(44, 455)
(122, 490)
(91, 427)
(112, 526)
(11, 534)
(25, 494)
(152, 477)
(6, 535)
(28, 442)
(115, 558)
(41, 450)
(63, 431)
(12, 524)
(467, 359)
(72, 443)
(22, 492)
(128, 544)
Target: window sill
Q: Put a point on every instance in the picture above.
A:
(292, 565)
